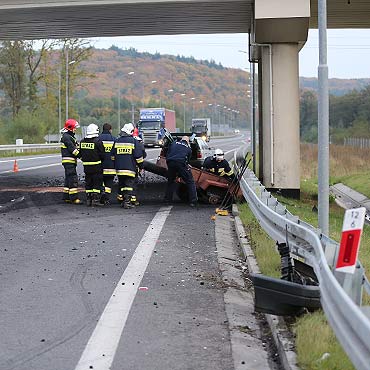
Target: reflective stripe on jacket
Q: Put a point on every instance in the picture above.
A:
(108, 163)
(69, 148)
(127, 156)
(221, 168)
(92, 153)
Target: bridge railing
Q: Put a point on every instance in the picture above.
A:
(341, 296)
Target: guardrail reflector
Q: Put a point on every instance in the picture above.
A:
(353, 224)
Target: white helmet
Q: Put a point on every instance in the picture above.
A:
(92, 131)
(219, 154)
(128, 128)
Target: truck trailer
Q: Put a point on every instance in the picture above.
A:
(152, 123)
(201, 127)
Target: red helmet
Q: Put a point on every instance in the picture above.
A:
(70, 125)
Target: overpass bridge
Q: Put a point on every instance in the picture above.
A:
(278, 31)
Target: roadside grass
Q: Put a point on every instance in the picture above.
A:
(316, 345)
(6, 154)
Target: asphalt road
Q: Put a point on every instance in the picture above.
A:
(108, 288)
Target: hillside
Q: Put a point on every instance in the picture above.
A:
(337, 86)
(203, 82)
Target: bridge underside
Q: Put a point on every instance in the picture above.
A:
(121, 18)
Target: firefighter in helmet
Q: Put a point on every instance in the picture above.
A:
(92, 154)
(70, 152)
(109, 170)
(218, 165)
(127, 157)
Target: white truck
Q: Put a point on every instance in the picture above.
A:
(201, 127)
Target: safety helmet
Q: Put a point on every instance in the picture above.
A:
(218, 155)
(92, 131)
(70, 125)
(128, 128)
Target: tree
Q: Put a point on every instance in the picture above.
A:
(13, 73)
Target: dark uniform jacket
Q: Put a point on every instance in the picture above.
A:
(179, 151)
(69, 148)
(108, 163)
(221, 168)
(92, 154)
(127, 156)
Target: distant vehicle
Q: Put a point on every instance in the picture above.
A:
(152, 123)
(236, 131)
(200, 151)
(201, 127)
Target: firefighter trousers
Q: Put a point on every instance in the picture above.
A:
(70, 191)
(182, 170)
(126, 189)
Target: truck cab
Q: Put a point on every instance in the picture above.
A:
(201, 127)
(152, 123)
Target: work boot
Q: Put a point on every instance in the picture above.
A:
(89, 200)
(96, 201)
(126, 204)
(134, 201)
(77, 201)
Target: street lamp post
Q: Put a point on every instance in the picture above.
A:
(119, 101)
(183, 95)
(60, 101)
(151, 82)
(67, 81)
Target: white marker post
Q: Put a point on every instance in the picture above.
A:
(351, 235)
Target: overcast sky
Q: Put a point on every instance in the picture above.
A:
(348, 50)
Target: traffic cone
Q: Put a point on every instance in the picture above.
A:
(15, 167)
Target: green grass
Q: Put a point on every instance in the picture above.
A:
(263, 247)
(4, 154)
(359, 182)
(317, 346)
(314, 337)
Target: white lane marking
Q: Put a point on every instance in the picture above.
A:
(29, 159)
(33, 168)
(101, 348)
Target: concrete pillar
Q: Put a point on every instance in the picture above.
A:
(279, 30)
(280, 101)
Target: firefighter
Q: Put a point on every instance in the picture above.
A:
(218, 165)
(70, 152)
(128, 156)
(177, 158)
(92, 154)
(109, 170)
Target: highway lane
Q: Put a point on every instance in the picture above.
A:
(63, 266)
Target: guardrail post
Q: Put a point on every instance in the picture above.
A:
(352, 284)
(19, 142)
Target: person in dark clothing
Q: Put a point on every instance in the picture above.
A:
(127, 156)
(70, 152)
(218, 165)
(92, 154)
(109, 170)
(177, 158)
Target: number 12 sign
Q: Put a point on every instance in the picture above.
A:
(350, 241)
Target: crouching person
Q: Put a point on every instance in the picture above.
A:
(92, 154)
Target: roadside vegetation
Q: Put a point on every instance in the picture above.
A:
(316, 345)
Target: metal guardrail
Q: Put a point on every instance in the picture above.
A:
(348, 320)
(28, 147)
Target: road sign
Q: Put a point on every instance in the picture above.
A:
(349, 244)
